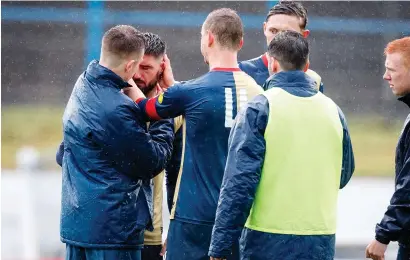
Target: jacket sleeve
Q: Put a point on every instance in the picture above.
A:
(172, 169)
(169, 104)
(242, 174)
(60, 154)
(321, 87)
(348, 164)
(134, 151)
(396, 221)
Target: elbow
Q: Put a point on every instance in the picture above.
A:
(154, 166)
(59, 155)
(59, 160)
(346, 176)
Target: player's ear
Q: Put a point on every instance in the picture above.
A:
(130, 65)
(274, 65)
(306, 66)
(162, 65)
(241, 44)
(305, 33)
(264, 29)
(211, 38)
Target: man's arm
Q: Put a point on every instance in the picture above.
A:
(348, 163)
(321, 87)
(396, 220)
(134, 151)
(242, 175)
(168, 104)
(60, 154)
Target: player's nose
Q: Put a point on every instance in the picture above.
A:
(137, 75)
(386, 76)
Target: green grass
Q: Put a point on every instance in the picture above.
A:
(37, 126)
(374, 139)
(374, 143)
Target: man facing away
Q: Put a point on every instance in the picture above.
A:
(209, 105)
(283, 172)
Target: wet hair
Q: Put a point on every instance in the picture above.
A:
(290, 49)
(290, 8)
(122, 41)
(401, 46)
(154, 45)
(227, 27)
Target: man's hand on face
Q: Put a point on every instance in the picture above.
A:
(375, 250)
(155, 91)
(133, 92)
(167, 78)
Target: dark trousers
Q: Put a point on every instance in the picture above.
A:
(404, 253)
(191, 242)
(81, 253)
(151, 252)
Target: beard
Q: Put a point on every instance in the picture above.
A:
(147, 88)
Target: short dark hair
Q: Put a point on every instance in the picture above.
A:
(290, 49)
(123, 40)
(154, 45)
(227, 26)
(290, 8)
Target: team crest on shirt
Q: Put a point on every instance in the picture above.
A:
(160, 98)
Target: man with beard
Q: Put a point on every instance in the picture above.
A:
(151, 66)
(149, 73)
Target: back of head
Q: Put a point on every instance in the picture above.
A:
(122, 43)
(290, 49)
(226, 25)
(290, 8)
(154, 45)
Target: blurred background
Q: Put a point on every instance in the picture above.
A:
(46, 45)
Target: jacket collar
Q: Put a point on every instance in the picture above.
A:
(405, 99)
(294, 78)
(99, 72)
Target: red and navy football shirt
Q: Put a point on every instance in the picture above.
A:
(209, 105)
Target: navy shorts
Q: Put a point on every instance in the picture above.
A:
(404, 252)
(151, 252)
(81, 253)
(191, 241)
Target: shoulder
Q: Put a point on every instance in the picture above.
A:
(315, 76)
(251, 64)
(244, 80)
(121, 107)
(191, 83)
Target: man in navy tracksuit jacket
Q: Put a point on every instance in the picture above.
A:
(108, 153)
